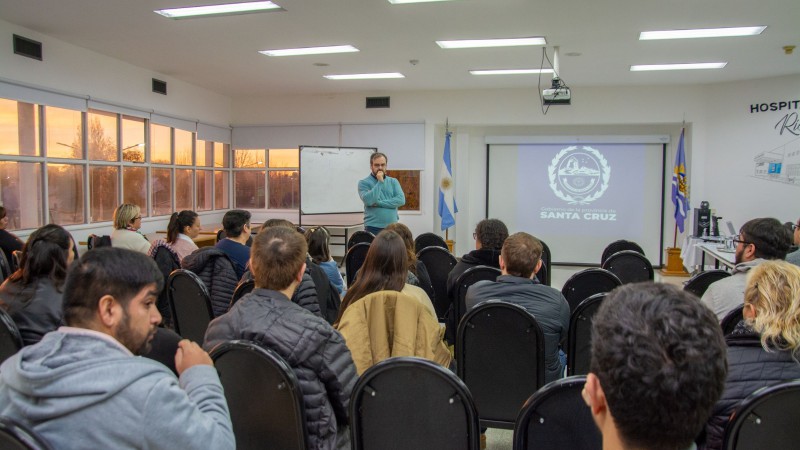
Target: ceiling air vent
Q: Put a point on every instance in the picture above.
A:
(27, 47)
(377, 102)
(159, 87)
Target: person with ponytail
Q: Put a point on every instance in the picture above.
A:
(32, 294)
(183, 227)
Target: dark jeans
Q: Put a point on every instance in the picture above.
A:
(373, 230)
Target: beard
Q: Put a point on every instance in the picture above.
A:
(738, 256)
(127, 336)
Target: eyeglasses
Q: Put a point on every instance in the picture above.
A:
(795, 226)
(475, 236)
(737, 240)
(137, 217)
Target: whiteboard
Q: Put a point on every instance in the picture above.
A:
(329, 178)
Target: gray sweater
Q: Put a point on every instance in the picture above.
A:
(81, 389)
(726, 294)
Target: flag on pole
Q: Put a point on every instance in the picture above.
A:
(447, 200)
(680, 190)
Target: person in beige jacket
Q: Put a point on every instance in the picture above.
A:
(381, 316)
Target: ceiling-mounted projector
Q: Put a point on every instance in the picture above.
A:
(558, 94)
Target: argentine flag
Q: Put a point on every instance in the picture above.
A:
(447, 199)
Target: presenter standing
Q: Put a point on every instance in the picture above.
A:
(381, 194)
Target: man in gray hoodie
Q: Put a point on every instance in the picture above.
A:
(83, 387)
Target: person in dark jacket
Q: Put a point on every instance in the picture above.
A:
(217, 272)
(236, 223)
(32, 295)
(658, 366)
(316, 352)
(489, 236)
(520, 259)
(765, 348)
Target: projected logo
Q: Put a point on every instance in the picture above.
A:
(579, 175)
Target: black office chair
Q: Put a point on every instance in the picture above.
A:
(618, 246)
(354, 259)
(412, 403)
(586, 283)
(221, 234)
(190, 304)
(467, 279)
(579, 337)
(15, 436)
(629, 266)
(5, 267)
(263, 396)
(698, 284)
(244, 288)
(360, 236)
(547, 265)
(167, 261)
(425, 240)
(729, 322)
(767, 418)
(556, 418)
(500, 354)
(439, 262)
(94, 241)
(10, 338)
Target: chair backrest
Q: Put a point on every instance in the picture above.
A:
(360, 236)
(5, 267)
(629, 266)
(698, 284)
(467, 279)
(263, 396)
(439, 262)
(500, 354)
(618, 246)
(221, 234)
(190, 304)
(354, 259)
(767, 418)
(425, 240)
(729, 322)
(16, 258)
(10, 338)
(555, 418)
(244, 288)
(404, 403)
(586, 283)
(94, 241)
(15, 436)
(547, 265)
(579, 337)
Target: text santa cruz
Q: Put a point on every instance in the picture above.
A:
(578, 214)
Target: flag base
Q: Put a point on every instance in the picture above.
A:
(450, 245)
(674, 265)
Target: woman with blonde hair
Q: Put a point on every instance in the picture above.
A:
(127, 221)
(765, 348)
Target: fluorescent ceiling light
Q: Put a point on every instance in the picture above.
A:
(402, 2)
(211, 10)
(645, 67)
(510, 71)
(365, 76)
(310, 50)
(476, 43)
(700, 33)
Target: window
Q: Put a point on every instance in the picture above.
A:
(183, 189)
(104, 189)
(16, 178)
(221, 155)
(64, 132)
(204, 184)
(102, 136)
(250, 189)
(65, 193)
(19, 128)
(133, 142)
(409, 181)
(204, 153)
(183, 147)
(160, 144)
(221, 190)
(249, 158)
(161, 191)
(282, 183)
(134, 187)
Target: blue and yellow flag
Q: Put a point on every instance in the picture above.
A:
(447, 200)
(680, 190)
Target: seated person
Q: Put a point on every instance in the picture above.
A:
(658, 366)
(793, 257)
(82, 387)
(759, 240)
(183, 227)
(32, 295)
(236, 224)
(520, 259)
(315, 351)
(127, 222)
(765, 348)
(8, 242)
(319, 250)
(416, 267)
(489, 236)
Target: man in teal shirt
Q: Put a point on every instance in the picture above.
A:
(381, 194)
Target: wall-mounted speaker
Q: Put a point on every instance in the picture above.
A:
(27, 47)
(159, 87)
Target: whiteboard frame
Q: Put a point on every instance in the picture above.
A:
(300, 170)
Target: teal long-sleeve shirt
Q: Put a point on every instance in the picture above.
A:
(381, 200)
